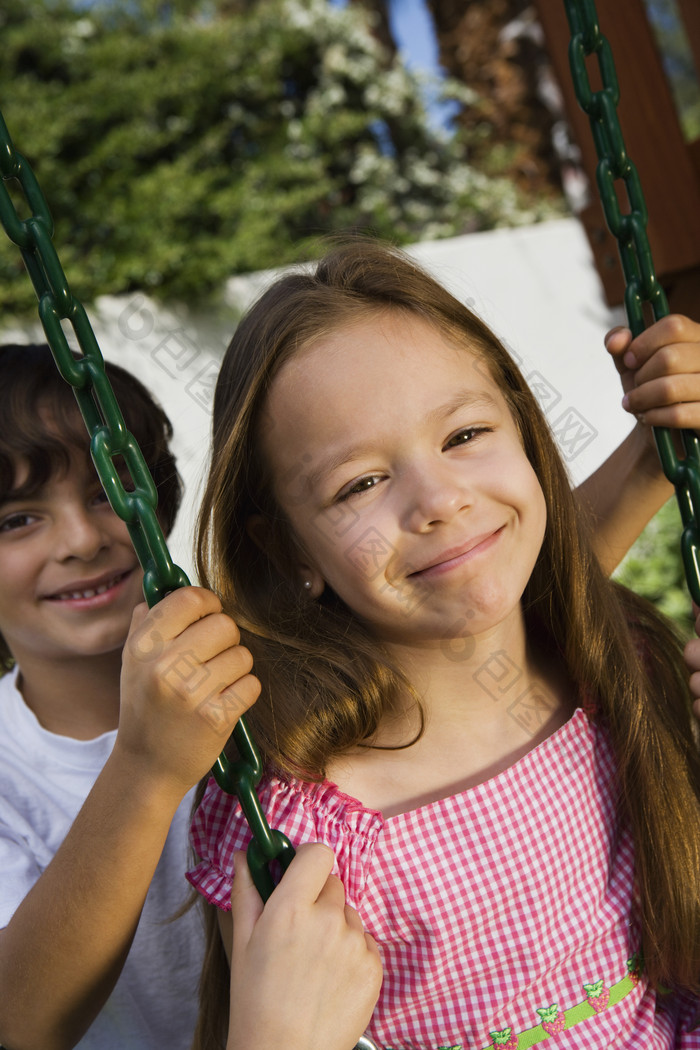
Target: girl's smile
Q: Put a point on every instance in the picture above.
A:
(448, 560)
(413, 498)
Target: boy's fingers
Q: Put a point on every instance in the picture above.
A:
(224, 671)
(192, 618)
(222, 708)
(145, 640)
(213, 634)
(138, 616)
(182, 608)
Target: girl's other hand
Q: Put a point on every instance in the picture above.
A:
(185, 683)
(660, 372)
(304, 974)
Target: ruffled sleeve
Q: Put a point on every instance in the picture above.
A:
(303, 812)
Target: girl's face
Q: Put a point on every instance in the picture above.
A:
(397, 461)
(69, 577)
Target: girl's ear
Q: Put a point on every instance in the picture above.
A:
(295, 568)
(259, 531)
(311, 581)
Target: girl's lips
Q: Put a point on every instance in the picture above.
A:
(94, 596)
(453, 559)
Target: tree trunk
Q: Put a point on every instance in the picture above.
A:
(496, 48)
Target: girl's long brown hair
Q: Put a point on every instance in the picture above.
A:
(326, 684)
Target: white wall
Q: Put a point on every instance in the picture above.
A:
(535, 286)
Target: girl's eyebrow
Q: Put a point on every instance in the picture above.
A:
(343, 455)
(463, 399)
(347, 453)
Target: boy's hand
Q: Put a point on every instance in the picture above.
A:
(304, 974)
(660, 372)
(185, 683)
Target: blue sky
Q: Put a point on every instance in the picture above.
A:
(413, 31)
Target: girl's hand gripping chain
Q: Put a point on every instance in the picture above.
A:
(304, 974)
(660, 372)
(185, 682)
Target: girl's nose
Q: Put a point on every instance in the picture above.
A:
(435, 496)
(79, 534)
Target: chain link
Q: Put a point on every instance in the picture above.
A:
(629, 228)
(109, 439)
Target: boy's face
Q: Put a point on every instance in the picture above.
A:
(69, 576)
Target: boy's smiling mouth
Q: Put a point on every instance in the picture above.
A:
(90, 589)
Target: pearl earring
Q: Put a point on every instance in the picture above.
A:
(307, 585)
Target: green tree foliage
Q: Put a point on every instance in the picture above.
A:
(178, 144)
(654, 567)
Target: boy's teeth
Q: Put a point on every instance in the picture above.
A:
(90, 593)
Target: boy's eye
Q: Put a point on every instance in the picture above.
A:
(16, 521)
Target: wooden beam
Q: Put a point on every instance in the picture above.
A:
(652, 135)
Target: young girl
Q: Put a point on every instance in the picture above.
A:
(494, 738)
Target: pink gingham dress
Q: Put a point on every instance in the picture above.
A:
(502, 913)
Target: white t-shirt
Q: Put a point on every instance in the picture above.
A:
(44, 780)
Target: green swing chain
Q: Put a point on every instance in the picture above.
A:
(629, 228)
(110, 438)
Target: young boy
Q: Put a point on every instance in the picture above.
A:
(83, 930)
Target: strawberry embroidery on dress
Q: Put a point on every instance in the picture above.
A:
(552, 1021)
(597, 995)
(505, 1038)
(635, 965)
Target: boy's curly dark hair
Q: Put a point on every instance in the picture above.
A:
(42, 428)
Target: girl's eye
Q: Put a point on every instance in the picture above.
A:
(16, 521)
(361, 485)
(463, 437)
